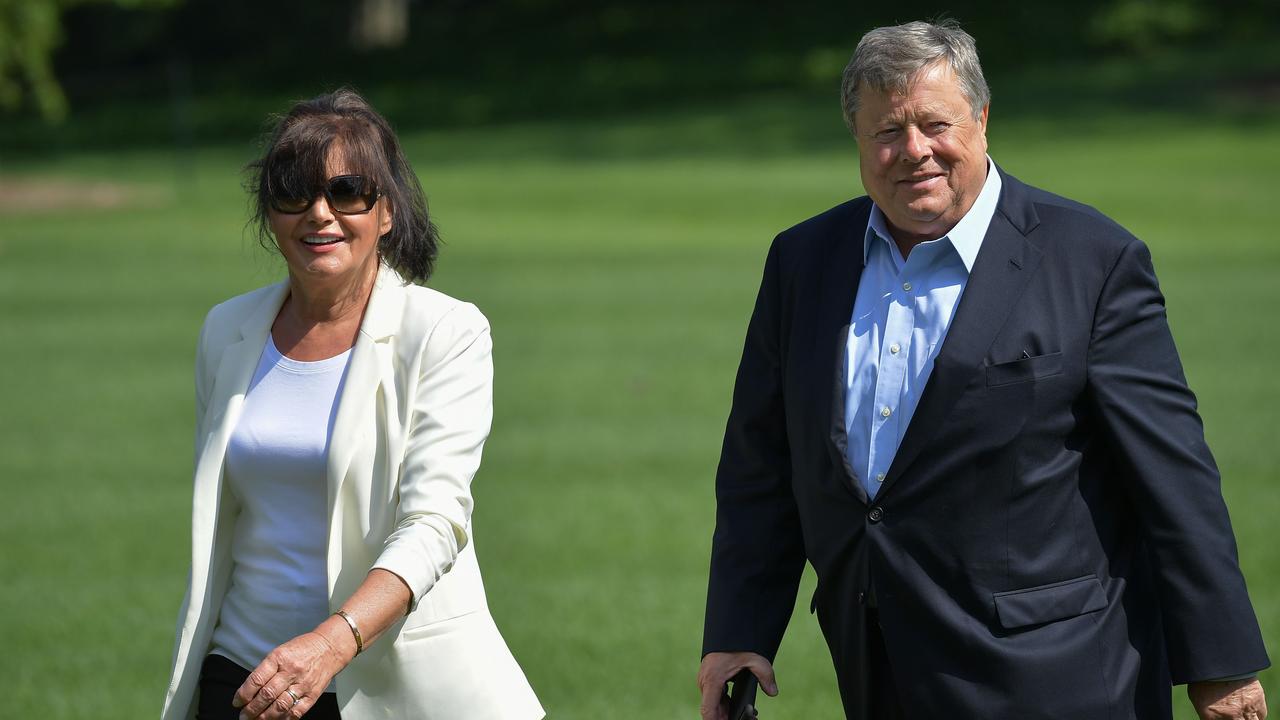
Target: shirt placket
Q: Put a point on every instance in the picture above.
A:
(894, 350)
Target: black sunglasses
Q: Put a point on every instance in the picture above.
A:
(346, 194)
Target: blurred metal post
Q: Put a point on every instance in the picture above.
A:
(380, 24)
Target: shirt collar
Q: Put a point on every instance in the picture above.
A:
(966, 236)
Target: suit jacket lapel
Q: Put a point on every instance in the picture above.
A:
(1000, 273)
(841, 272)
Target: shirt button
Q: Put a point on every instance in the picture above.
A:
(885, 411)
(875, 513)
(906, 286)
(895, 348)
(880, 477)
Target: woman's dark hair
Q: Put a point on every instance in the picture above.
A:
(296, 161)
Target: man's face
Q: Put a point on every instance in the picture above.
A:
(922, 153)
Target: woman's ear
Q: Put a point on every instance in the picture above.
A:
(384, 216)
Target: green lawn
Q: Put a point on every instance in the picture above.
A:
(617, 262)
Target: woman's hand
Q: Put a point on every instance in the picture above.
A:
(307, 663)
(290, 680)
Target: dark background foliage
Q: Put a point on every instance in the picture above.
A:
(153, 72)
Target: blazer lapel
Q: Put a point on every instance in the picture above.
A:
(370, 367)
(235, 370)
(1000, 274)
(841, 272)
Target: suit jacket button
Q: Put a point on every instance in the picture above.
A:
(875, 513)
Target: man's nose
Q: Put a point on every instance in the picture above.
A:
(915, 145)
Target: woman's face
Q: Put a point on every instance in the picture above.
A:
(324, 247)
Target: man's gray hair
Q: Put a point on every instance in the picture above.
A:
(888, 58)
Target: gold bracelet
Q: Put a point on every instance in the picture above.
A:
(355, 631)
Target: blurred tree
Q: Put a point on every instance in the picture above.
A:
(1143, 25)
(30, 31)
(212, 69)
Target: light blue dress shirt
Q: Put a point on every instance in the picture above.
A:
(900, 318)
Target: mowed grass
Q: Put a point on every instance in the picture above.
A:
(617, 262)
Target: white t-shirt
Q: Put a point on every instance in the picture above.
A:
(276, 467)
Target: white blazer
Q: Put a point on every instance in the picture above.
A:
(414, 412)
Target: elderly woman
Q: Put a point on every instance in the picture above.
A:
(340, 416)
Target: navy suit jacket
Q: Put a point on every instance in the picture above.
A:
(1051, 539)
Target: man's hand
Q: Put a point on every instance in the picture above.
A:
(1232, 700)
(718, 668)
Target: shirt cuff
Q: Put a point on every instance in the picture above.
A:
(1234, 678)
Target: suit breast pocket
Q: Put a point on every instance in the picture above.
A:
(1024, 370)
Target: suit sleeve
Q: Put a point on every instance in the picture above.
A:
(1149, 415)
(452, 411)
(757, 552)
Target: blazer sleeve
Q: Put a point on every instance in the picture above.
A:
(1137, 386)
(757, 552)
(202, 389)
(451, 416)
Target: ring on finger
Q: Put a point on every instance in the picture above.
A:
(296, 697)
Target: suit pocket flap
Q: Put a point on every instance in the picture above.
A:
(1046, 603)
(1030, 368)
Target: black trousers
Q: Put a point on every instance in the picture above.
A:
(884, 694)
(219, 680)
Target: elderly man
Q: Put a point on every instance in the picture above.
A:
(960, 401)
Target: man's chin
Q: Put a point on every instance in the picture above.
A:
(925, 209)
(918, 216)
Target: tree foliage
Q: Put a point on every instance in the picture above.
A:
(476, 60)
(1142, 25)
(30, 32)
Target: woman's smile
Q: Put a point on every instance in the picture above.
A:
(322, 242)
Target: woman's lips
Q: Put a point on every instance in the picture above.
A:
(321, 239)
(321, 243)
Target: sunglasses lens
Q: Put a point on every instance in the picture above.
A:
(352, 194)
(289, 194)
(286, 204)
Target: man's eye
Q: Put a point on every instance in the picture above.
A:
(937, 127)
(888, 134)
